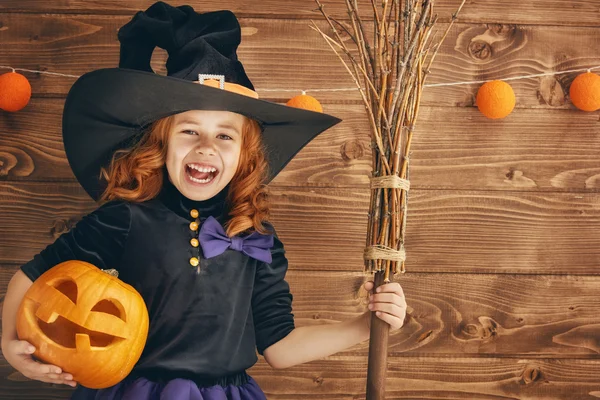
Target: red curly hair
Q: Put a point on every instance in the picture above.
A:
(136, 174)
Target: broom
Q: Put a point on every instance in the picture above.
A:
(392, 65)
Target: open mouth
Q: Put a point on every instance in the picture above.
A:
(200, 175)
(71, 335)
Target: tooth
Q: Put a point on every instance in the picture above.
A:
(202, 169)
(82, 342)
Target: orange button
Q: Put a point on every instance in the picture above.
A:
(194, 213)
(194, 261)
(194, 242)
(194, 226)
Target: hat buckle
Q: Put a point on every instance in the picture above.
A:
(220, 78)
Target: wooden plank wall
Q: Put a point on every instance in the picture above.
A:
(503, 237)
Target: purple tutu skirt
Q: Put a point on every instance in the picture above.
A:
(140, 388)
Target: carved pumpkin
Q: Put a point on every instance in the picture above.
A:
(89, 323)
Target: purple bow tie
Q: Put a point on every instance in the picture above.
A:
(215, 241)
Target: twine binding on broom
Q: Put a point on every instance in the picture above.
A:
(379, 251)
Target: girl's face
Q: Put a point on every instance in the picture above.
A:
(201, 142)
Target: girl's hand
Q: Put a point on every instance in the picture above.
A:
(388, 303)
(18, 354)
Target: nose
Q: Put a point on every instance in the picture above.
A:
(205, 146)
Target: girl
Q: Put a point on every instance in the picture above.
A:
(184, 160)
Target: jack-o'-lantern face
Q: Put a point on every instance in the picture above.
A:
(87, 322)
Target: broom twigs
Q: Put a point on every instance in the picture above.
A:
(343, 46)
(370, 113)
(422, 39)
(340, 43)
(367, 58)
(335, 31)
(439, 43)
(414, 107)
(389, 71)
(405, 38)
(362, 51)
(342, 26)
(337, 35)
(353, 10)
(332, 41)
(383, 71)
(395, 45)
(408, 94)
(355, 64)
(408, 54)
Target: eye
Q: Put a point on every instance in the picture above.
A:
(69, 289)
(110, 306)
(192, 132)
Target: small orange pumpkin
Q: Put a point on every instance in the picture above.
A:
(15, 91)
(306, 102)
(91, 324)
(585, 92)
(496, 99)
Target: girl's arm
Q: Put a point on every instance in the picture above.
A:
(17, 287)
(309, 343)
(18, 352)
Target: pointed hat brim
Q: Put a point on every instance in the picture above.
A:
(107, 109)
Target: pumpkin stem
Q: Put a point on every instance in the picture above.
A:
(111, 271)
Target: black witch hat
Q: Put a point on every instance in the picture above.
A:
(108, 109)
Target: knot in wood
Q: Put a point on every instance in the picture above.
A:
(472, 330)
(530, 374)
(351, 150)
(485, 329)
(489, 327)
(7, 162)
(551, 92)
(318, 380)
(480, 50)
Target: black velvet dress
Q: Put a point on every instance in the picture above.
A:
(206, 324)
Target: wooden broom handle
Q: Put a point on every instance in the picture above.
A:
(378, 351)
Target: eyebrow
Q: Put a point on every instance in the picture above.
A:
(221, 125)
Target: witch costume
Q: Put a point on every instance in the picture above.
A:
(213, 301)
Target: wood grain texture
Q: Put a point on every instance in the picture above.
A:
(503, 219)
(325, 229)
(287, 54)
(551, 12)
(343, 377)
(453, 148)
(436, 378)
(459, 314)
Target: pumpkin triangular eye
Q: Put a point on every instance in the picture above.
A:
(69, 289)
(111, 307)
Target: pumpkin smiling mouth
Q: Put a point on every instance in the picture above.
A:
(71, 335)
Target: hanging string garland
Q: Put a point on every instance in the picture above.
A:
(495, 98)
